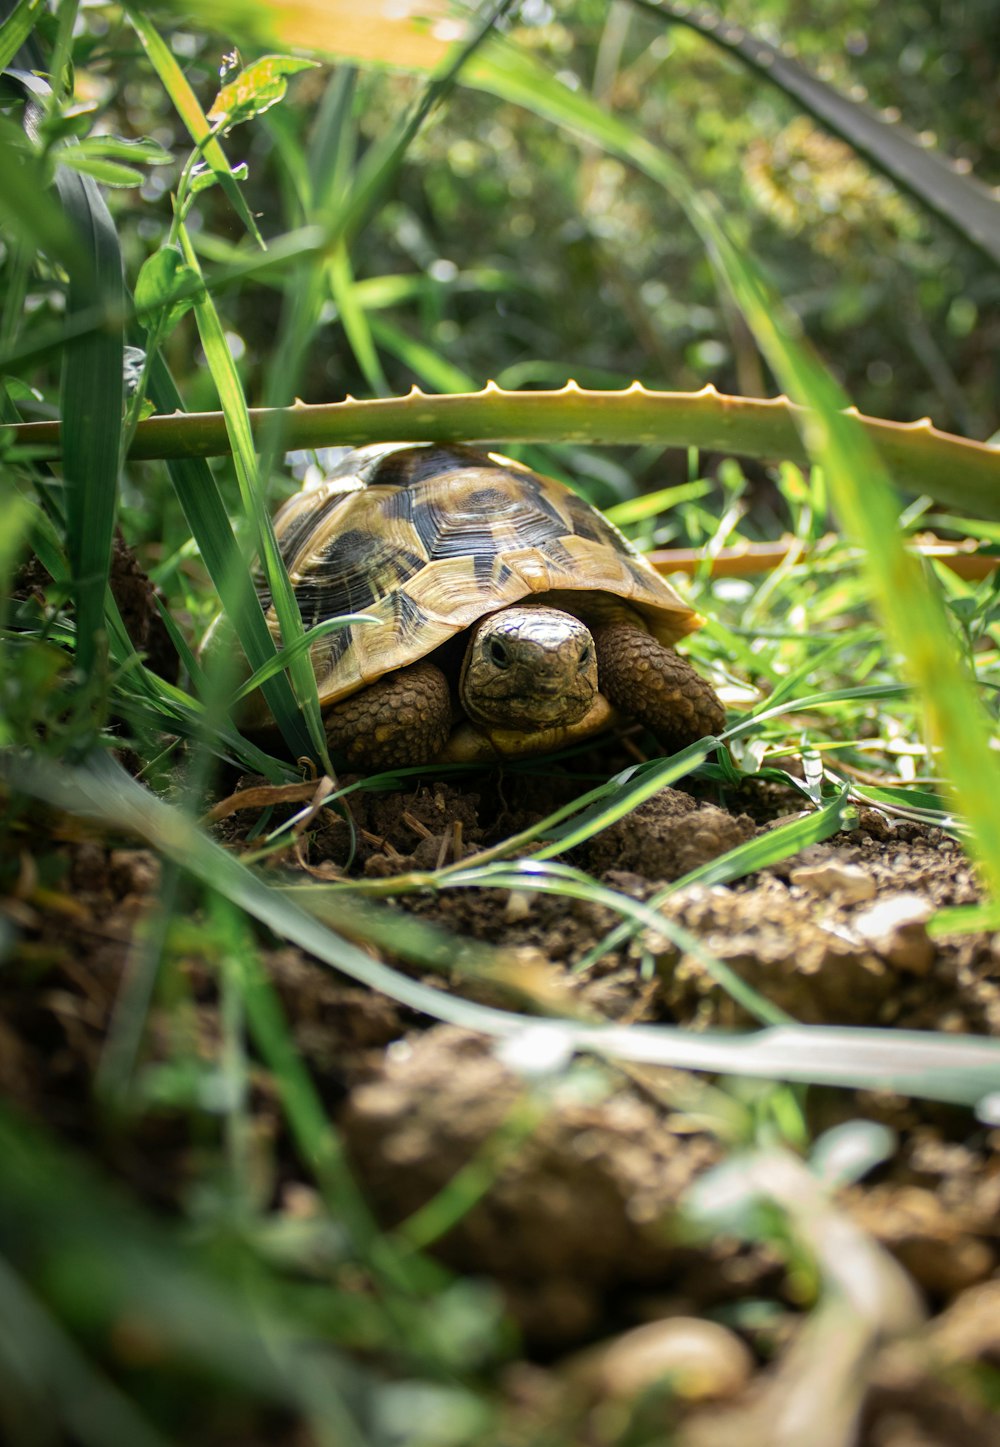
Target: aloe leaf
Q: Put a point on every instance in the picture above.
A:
(922, 459)
(960, 201)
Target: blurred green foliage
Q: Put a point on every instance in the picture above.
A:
(497, 228)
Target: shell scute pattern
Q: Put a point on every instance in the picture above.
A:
(430, 539)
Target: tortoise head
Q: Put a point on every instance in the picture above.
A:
(529, 667)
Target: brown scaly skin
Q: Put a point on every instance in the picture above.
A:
(656, 686)
(404, 718)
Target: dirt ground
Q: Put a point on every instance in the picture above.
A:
(579, 1227)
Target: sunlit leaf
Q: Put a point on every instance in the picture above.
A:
(202, 177)
(165, 281)
(255, 89)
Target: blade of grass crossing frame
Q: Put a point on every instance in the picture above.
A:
(859, 484)
(234, 406)
(211, 529)
(561, 879)
(318, 1142)
(92, 398)
(189, 109)
(869, 508)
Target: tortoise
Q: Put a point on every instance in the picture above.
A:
(513, 617)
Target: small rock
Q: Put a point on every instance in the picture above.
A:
(134, 871)
(699, 1360)
(520, 905)
(896, 929)
(834, 877)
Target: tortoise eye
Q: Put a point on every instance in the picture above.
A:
(585, 655)
(498, 653)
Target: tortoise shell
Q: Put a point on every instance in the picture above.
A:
(430, 538)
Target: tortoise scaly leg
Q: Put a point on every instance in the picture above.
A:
(655, 685)
(404, 718)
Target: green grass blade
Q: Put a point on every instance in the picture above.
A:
(652, 504)
(423, 361)
(233, 401)
(284, 658)
(319, 1145)
(970, 208)
(562, 880)
(16, 29)
(869, 509)
(622, 796)
(212, 531)
(92, 400)
(355, 321)
(859, 483)
(331, 163)
(189, 109)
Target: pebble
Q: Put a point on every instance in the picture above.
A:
(700, 1360)
(896, 929)
(834, 877)
(520, 906)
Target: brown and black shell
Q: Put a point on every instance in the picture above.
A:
(430, 538)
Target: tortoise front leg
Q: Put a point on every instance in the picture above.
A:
(404, 718)
(655, 685)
